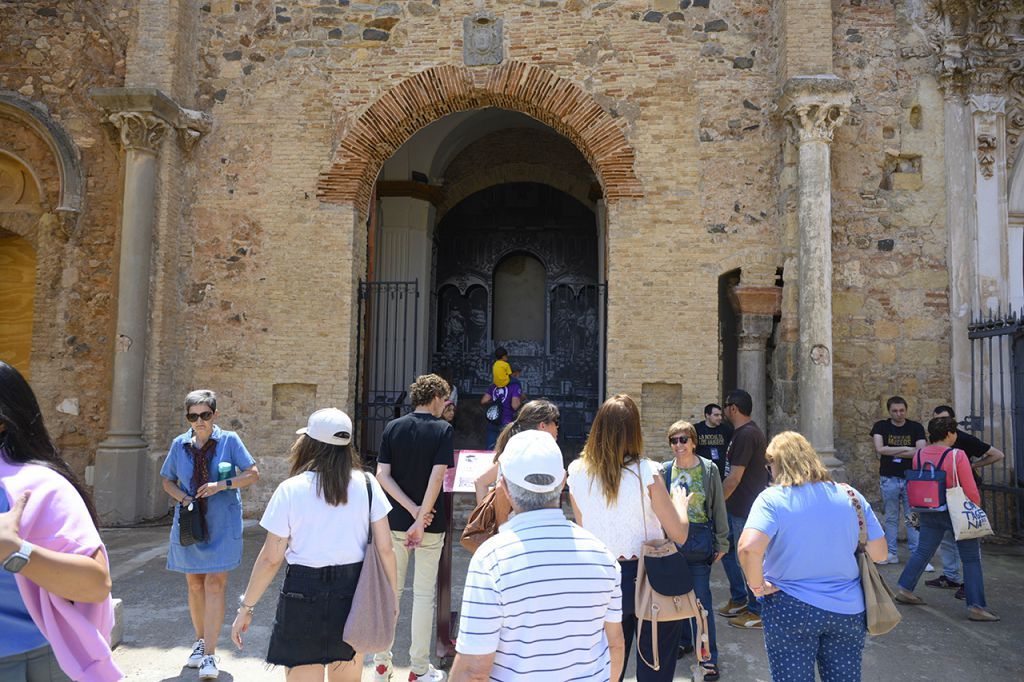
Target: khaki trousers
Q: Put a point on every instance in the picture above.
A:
(424, 587)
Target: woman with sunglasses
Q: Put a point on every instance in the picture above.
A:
(708, 538)
(204, 469)
(541, 415)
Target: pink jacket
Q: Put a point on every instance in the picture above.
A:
(56, 518)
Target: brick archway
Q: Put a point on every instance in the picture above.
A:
(417, 101)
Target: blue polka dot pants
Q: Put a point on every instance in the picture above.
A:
(798, 635)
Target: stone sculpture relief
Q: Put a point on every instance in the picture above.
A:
(482, 39)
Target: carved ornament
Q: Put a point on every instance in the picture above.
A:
(482, 39)
(815, 106)
(140, 131)
(986, 153)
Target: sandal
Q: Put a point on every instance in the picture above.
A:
(710, 671)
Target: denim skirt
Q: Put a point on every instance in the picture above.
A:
(311, 614)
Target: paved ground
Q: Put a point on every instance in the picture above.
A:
(933, 642)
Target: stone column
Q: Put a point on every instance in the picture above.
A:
(756, 308)
(815, 106)
(989, 142)
(120, 456)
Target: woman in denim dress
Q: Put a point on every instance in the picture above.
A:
(213, 488)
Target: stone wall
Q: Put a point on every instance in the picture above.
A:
(51, 54)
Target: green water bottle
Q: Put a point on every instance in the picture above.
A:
(224, 471)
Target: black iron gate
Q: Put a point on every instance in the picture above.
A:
(997, 415)
(386, 342)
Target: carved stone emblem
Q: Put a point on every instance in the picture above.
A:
(986, 153)
(482, 39)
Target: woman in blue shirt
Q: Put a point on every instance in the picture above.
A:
(204, 467)
(797, 551)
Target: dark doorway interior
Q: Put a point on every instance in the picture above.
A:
(541, 243)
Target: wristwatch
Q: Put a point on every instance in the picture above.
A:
(19, 559)
(227, 482)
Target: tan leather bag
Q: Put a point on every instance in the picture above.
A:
(659, 560)
(485, 519)
(374, 614)
(882, 614)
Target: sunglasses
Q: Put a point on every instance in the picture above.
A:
(679, 440)
(196, 416)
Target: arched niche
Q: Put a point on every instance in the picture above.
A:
(520, 289)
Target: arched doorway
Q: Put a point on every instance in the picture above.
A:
(484, 232)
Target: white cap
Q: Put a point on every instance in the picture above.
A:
(325, 425)
(532, 452)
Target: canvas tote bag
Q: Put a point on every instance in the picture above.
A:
(664, 592)
(969, 520)
(371, 621)
(881, 612)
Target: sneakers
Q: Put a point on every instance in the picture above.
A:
(747, 621)
(929, 568)
(733, 609)
(208, 670)
(944, 583)
(432, 675)
(198, 652)
(960, 594)
(891, 559)
(382, 673)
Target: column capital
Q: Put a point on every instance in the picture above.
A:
(989, 104)
(816, 105)
(749, 299)
(143, 116)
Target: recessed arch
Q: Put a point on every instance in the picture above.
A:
(65, 153)
(438, 91)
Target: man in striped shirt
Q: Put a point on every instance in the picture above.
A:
(542, 598)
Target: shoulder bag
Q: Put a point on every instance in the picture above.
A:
(190, 524)
(485, 519)
(881, 612)
(371, 622)
(664, 591)
(969, 520)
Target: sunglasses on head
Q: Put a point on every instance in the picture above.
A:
(196, 416)
(679, 440)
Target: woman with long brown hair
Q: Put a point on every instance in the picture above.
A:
(618, 495)
(539, 414)
(327, 490)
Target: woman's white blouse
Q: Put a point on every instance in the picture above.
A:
(620, 525)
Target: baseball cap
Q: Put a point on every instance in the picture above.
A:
(532, 452)
(329, 425)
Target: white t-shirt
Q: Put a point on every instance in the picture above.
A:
(319, 534)
(619, 526)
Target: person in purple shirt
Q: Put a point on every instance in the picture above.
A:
(797, 551)
(507, 399)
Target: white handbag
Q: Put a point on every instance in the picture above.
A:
(969, 520)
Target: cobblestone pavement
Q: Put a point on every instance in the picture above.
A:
(933, 642)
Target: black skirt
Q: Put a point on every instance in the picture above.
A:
(311, 614)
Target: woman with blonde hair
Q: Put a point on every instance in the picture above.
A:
(797, 551)
(618, 495)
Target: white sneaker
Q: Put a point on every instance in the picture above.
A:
(929, 569)
(208, 670)
(432, 675)
(891, 559)
(198, 652)
(382, 673)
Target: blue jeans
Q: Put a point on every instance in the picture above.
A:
(701, 573)
(668, 633)
(738, 591)
(950, 558)
(796, 635)
(934, 526)
(894, 499)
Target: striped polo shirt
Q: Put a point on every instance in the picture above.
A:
(537, 596)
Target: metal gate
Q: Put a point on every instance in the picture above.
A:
(997, 415)
(388, 329)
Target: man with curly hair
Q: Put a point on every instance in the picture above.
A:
(415, 452)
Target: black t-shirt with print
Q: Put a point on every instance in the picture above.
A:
(905, 436)
(413, 445)
(712, 443)
(973, 447)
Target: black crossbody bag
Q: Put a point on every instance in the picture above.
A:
(190, 524)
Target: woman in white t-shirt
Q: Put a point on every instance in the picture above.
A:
(618, 495)
(317, 521)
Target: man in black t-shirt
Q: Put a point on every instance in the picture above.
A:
(896, 440)
(746, 476)
(713, 437)
(981, 455)
(415, 452)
